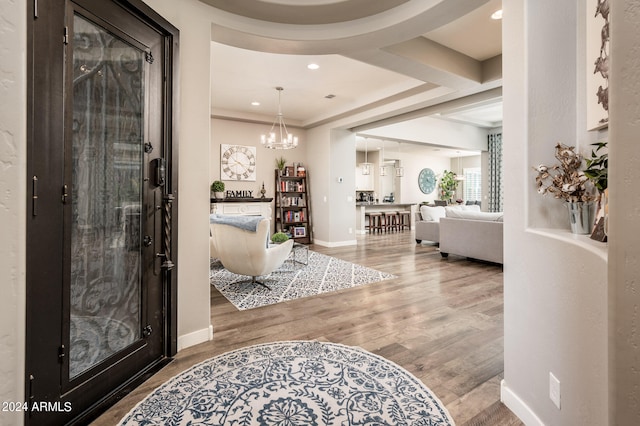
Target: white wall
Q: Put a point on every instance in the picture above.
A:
(435, 131)
(319, 158)
(13, 110)
(555, 284)
(342, 184)
(413, 164)
(248, 134)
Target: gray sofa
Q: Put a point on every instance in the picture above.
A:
(473, 234)
(477, 239)
(426, 230)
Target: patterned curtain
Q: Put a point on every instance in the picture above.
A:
(495, 173)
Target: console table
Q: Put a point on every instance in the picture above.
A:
(242, 206)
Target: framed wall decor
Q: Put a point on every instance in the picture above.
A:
(597, 63)
(299, 231)
(237, 162)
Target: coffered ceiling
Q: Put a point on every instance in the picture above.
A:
(379, 62)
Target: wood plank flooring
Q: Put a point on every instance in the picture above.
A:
(441, 319)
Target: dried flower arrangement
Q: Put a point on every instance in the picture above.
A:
(565, 180)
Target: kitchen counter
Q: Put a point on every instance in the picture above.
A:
(364, 207)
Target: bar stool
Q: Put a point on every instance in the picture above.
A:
(374, 221)
(390, 221)
(404, 220)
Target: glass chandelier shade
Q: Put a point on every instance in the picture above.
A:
(279, 138)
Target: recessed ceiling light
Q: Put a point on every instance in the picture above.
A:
(313, 66)
(497, 14)
(255, 103)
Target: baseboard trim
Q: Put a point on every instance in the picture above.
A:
(518, 406)
(194, 338)
(335, 244)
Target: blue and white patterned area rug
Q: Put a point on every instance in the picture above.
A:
(322, 274)
(301, 383)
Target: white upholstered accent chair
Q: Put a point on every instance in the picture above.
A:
(246, 252)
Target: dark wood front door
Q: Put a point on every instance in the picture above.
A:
(101, 216)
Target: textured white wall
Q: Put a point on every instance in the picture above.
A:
(624, 229)
(13, 88)
(555, 284)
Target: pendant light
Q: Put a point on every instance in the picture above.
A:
(383, 168)
(459, 177)
(399, 169)
(366, 166)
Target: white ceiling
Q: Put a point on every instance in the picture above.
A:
(399, 82)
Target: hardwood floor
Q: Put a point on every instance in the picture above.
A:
(442, 320)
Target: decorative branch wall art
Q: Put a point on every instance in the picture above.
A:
(597, 64)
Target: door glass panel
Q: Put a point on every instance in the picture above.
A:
(106, 195)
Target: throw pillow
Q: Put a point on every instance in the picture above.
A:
(432, 214)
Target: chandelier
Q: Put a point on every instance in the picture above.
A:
(280, 139)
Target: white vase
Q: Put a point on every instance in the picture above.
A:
(581, 216)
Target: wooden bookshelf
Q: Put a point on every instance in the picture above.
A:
(292, 213)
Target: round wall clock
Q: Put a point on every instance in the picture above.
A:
(237, 162)
(427, 181)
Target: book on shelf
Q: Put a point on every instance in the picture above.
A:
(291, 186)
(293, 202)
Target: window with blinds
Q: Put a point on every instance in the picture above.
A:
(472, 184)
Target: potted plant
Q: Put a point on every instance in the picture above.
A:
(280, 163)
(448, 185)
(279, 237)
(598, 167)
(568, 182)
(598, 172)
(217, 187)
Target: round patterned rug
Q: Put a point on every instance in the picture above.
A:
(299, 383)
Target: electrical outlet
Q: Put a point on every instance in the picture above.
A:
(351, 230)
(554, 389)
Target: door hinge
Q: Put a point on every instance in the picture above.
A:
(31, 379)
(61, 353)
(65, 39)
(35, 9)
(148, 56)
(65, 193)
(34, 197)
